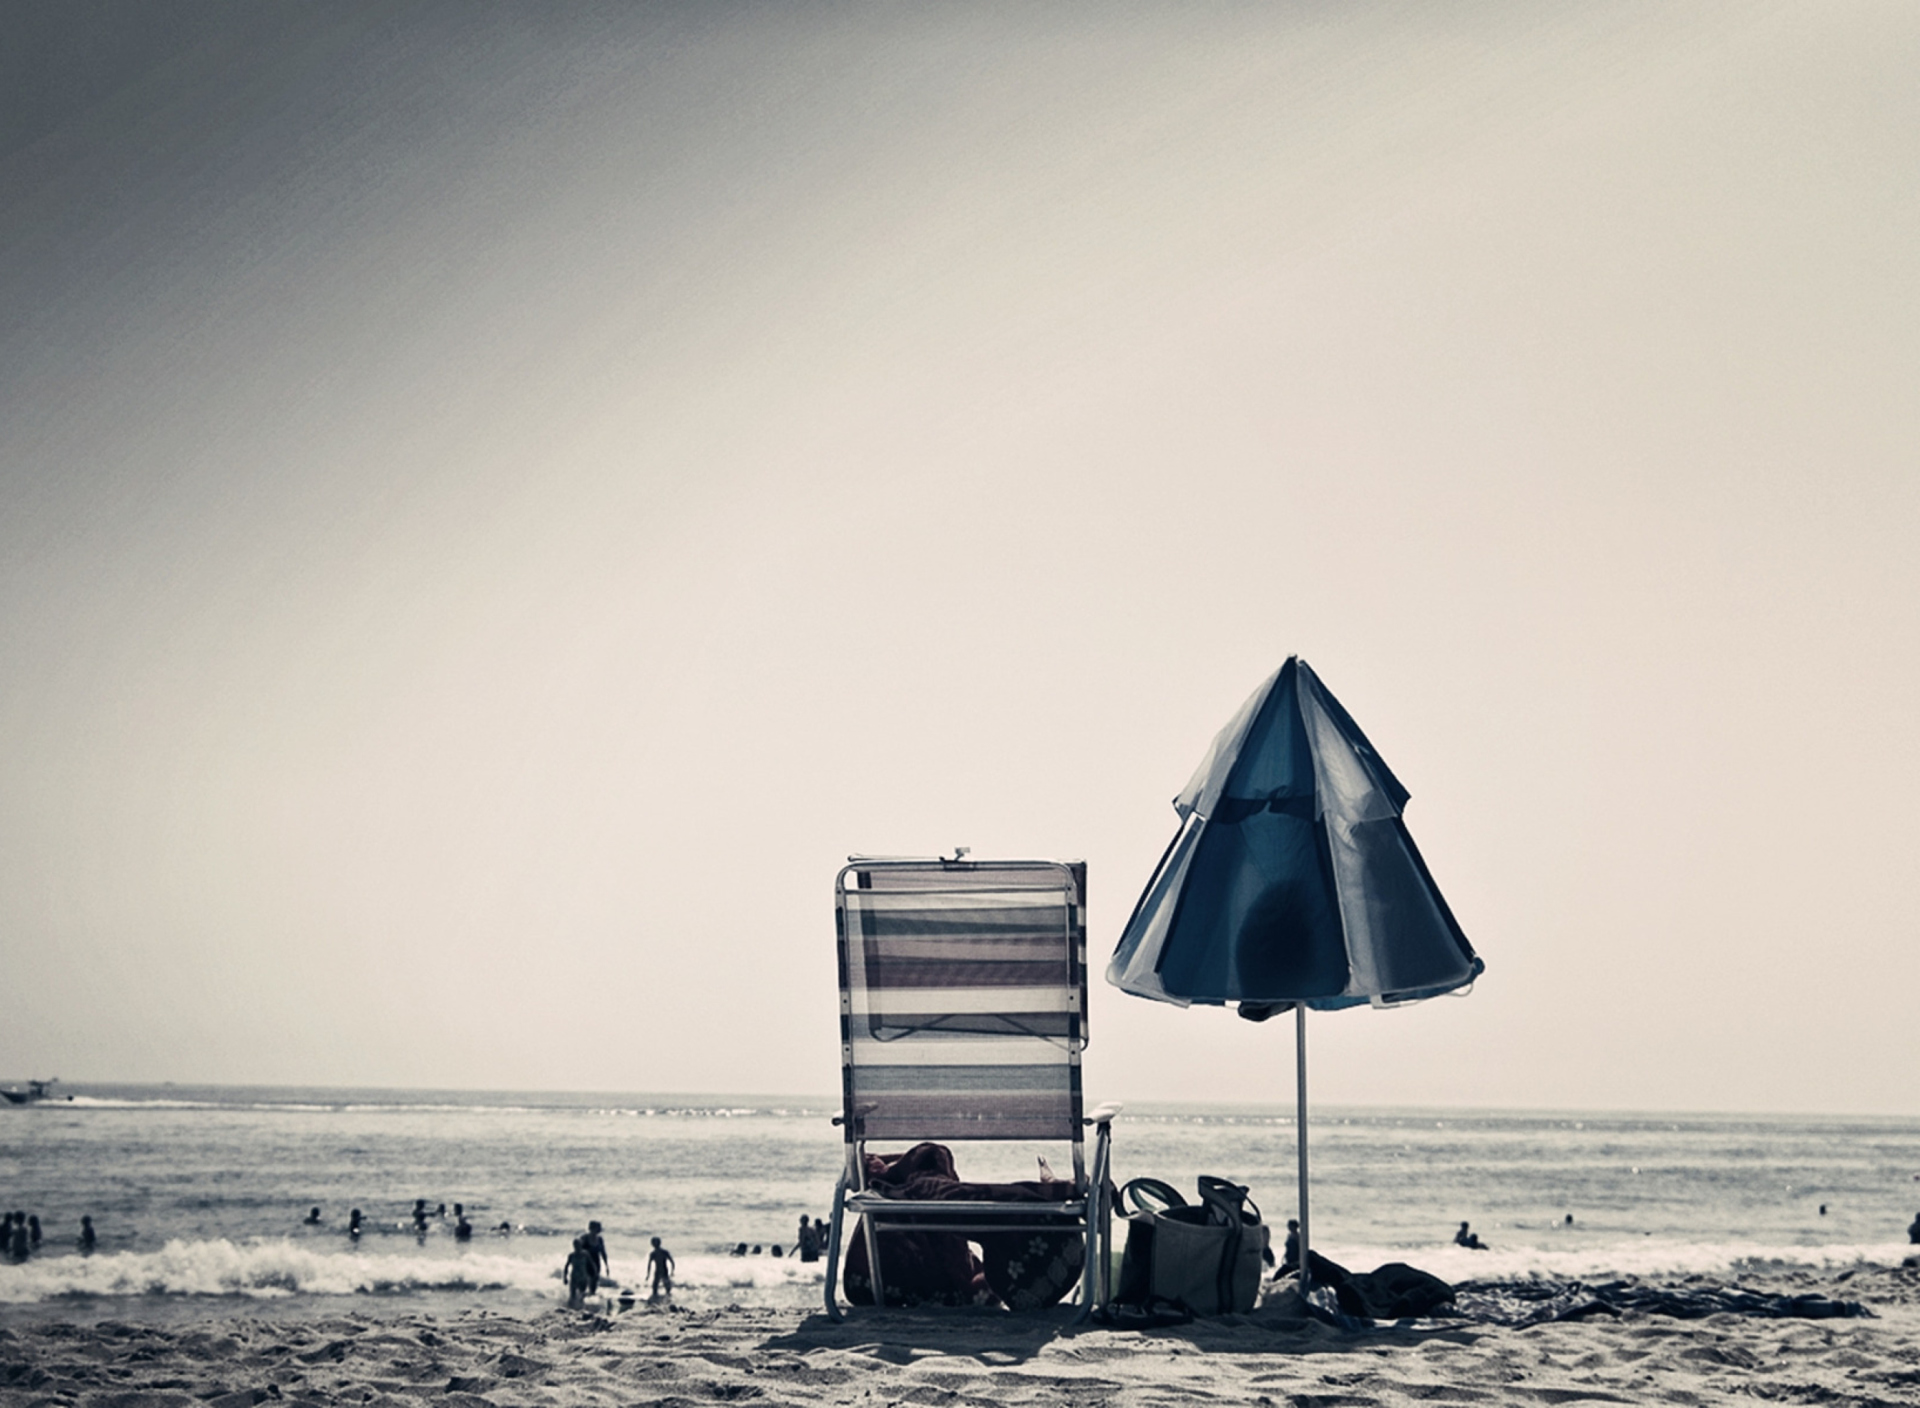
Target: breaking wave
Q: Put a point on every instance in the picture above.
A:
(264, 1270)
(662, 1110)
(276, 1269)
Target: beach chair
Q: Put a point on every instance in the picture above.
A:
(963, 1013)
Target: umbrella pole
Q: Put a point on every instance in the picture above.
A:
(1300, 1125)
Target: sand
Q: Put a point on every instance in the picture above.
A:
(565, 1359)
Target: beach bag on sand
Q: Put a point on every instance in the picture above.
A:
(1205, 1257)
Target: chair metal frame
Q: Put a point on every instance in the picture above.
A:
(1090, 1207)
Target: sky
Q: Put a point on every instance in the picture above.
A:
(497, 502)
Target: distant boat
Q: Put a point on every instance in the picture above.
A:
(36, 1090)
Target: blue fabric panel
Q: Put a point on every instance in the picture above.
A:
(1257, 919)
(1422, 948)
(1444, 914)
(1275, 762)
(1375, 764)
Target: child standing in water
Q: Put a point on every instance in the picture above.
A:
(660, 1268)
(578, 1273)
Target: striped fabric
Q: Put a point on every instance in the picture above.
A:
(963, 999)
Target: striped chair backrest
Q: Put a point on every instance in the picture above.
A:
(963, 996)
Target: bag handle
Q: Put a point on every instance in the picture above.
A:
(1227, 1202)
(1151, 1195)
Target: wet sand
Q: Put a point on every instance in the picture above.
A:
(561, 1359)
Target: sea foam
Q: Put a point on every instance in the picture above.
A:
(265, 1269)
(277, 1268)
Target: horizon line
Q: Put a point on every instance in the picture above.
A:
(831, 1101)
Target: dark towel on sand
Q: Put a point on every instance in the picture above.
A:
(1390, 1292)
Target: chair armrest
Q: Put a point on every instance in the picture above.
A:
(963, 1207)
(1103, 1114)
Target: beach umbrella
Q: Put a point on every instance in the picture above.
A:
(1292, 881)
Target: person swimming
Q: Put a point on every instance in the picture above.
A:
(463, 1230)
(313, 1218)
(87, 1238)
(1469, 1239)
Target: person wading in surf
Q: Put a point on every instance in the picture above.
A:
(660, 1270)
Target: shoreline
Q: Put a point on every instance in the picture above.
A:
(234, 1356)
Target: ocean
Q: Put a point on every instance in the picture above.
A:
(198, 1193)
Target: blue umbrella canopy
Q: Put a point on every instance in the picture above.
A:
(1292, 878)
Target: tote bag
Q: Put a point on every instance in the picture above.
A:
(1205, 1257)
